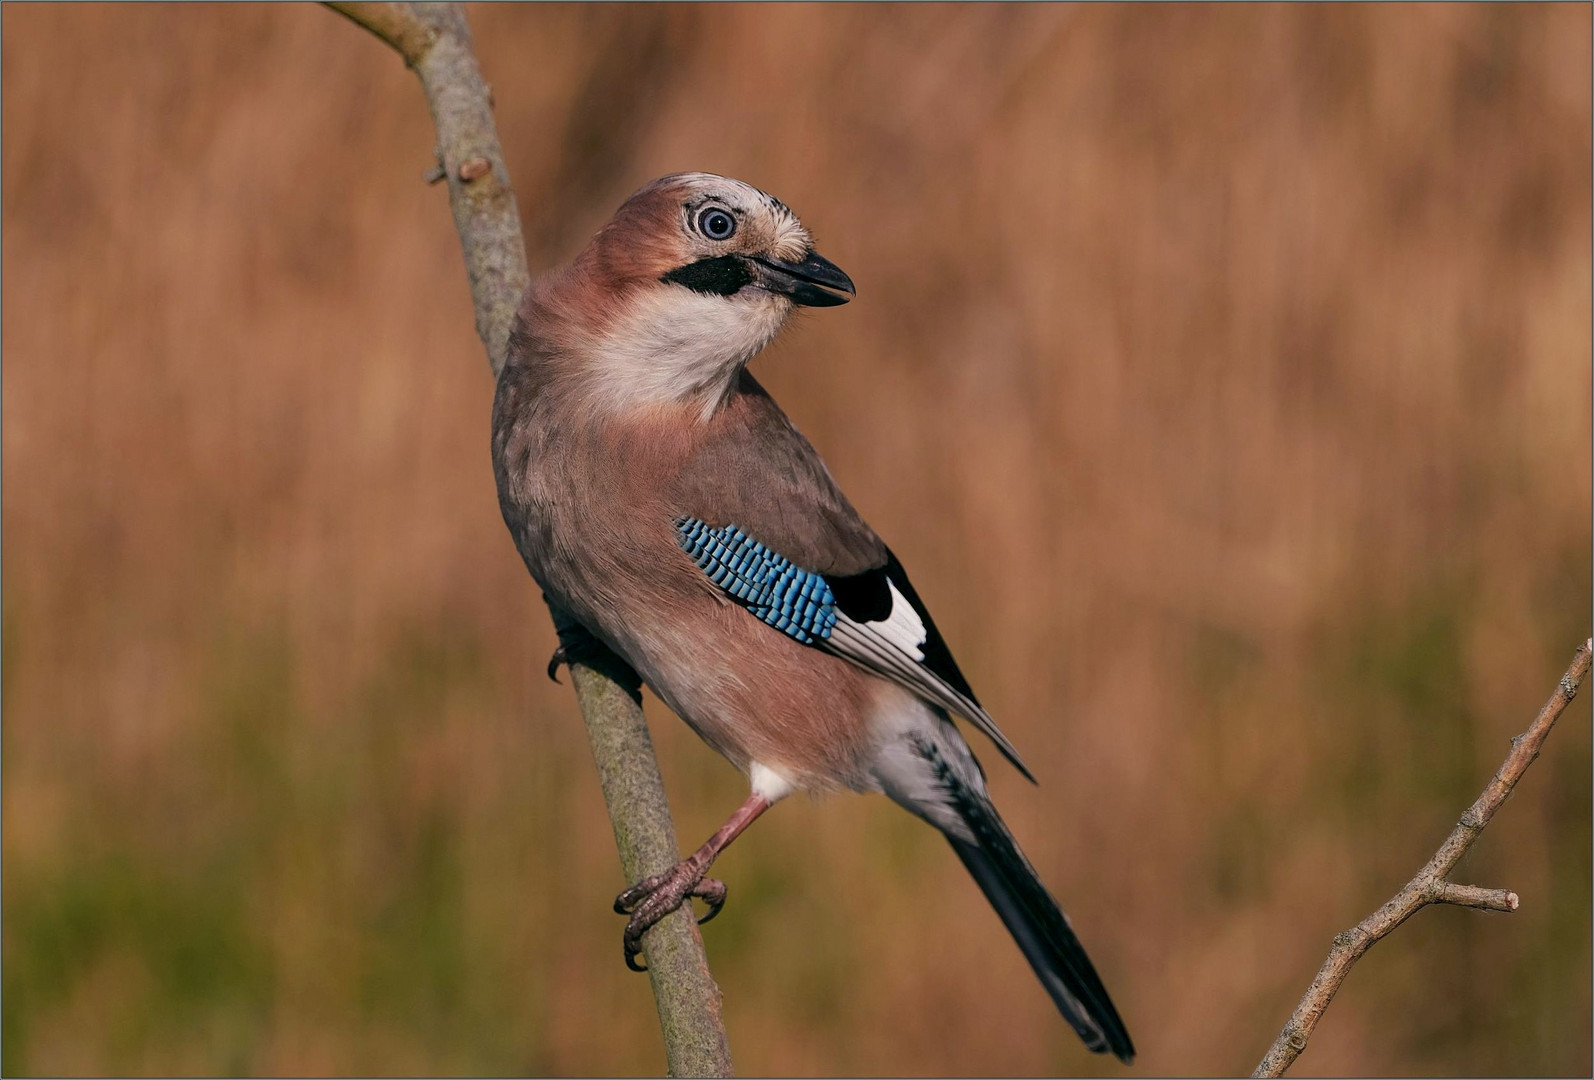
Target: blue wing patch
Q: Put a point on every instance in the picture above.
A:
(794, 601)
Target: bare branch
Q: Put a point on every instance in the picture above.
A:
(435, 42)
(1430, 886)
(395, 24)
(1448, 892)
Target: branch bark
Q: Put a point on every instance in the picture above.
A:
(1432, 884)
(434, 40)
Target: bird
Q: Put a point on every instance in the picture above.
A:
(661, 499)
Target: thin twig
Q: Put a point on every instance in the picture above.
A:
(1432, 884)
(435, 41)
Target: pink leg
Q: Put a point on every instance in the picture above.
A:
(650, 900)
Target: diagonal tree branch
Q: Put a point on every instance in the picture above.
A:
(1431, 885)
(435, 41)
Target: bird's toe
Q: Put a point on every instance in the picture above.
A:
(712, 892)
(653, 898)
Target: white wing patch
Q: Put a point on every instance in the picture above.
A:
(903, 627)
(893, 647)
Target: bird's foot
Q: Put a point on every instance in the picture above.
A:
(653, 898)
(581, 651)
(577, 645)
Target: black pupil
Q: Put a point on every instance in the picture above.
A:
(717, 224)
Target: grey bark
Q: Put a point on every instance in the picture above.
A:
(435, 42)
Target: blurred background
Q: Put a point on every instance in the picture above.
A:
(1222, 374)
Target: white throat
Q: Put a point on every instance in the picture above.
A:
(673, 344)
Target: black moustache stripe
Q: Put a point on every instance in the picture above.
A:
(722, 275)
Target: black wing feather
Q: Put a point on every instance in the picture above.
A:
(865, 599)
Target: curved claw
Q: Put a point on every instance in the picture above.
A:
(651, 899)
(627, 901)
(632, 939)
(712, 892)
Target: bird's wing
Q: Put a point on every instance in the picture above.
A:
(754, 469)
(767, 525)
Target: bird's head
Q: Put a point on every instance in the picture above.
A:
(717, 237)
(694, 275)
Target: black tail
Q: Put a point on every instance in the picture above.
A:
(1036, 923)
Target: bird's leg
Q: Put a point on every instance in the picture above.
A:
(651, 899)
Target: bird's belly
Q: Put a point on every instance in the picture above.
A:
(755, 695)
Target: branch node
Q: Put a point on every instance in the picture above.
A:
(474, 169)
(1429, 885)
(436, 174)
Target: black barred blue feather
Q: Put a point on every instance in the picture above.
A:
(794, 601)
(873, 619)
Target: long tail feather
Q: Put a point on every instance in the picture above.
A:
(1032, 916)
(1047, 940)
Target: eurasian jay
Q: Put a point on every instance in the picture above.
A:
(661, 498)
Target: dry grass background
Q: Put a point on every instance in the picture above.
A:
(1222, 373)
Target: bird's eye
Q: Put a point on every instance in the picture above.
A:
(716, 224)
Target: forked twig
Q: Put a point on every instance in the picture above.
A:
(1432, 884)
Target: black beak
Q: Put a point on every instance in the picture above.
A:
(813, 282)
